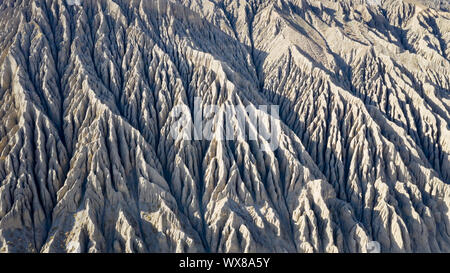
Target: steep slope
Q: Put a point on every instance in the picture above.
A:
(89, 93)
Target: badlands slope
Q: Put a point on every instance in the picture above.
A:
(88, 91)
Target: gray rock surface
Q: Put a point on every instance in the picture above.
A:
(87, 89)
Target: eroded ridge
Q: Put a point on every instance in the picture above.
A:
(87, 94)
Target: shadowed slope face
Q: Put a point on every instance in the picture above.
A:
(88, 91)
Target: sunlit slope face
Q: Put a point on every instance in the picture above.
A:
(436, 4)
(90, 92)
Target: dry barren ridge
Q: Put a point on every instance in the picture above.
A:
(87, 92)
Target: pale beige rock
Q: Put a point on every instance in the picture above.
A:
(88, 90)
